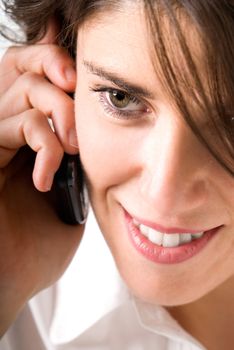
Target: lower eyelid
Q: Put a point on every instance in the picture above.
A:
(111, 110)
(124, 115)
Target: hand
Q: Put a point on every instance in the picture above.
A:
(35, 246)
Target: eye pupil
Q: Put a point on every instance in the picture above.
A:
(119, 95)
(119, 99)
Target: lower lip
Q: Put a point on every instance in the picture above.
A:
(162, 255)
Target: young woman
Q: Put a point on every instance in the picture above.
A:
(154, 128)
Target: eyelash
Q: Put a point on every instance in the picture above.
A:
(114, 111)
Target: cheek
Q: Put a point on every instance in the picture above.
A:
(107, 150)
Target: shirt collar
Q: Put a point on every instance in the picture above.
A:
(157, 319)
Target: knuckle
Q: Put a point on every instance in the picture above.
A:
(36, 123)
(30, 120)
(28, 79)
(30, 76)
(35, 116)
(9, 56)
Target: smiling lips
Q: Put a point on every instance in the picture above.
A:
(166, 245)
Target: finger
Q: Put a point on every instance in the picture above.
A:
(46, 60)
(32, 128)
(37, 92)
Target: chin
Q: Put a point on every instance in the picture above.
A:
(166, 298)
(159, 289)
(169, 293)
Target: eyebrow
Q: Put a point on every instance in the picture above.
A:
(131, 89)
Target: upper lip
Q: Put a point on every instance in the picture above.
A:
(164, 229)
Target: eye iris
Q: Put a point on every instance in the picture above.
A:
(119, 99)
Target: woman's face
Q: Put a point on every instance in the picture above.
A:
(145, 166)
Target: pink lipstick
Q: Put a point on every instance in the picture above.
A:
(141, 232)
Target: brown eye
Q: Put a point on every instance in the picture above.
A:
(119, 99)
(121, 105)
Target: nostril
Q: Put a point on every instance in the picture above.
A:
(173, 194)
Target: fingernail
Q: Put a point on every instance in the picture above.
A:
(70, 74)
(73, 138)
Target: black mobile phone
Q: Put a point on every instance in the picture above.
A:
(71, 194)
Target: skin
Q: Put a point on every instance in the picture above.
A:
(155, 179)
(35, 246)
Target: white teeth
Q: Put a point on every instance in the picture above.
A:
(164, 239)
(155, 237)
(197, 235)
(171, 240)
(185, 238)
(144, 230)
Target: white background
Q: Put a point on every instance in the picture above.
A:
(6, 21)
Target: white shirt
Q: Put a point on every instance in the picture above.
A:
(90, 308)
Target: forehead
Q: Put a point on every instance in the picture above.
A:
(118, 40)
(121, 40)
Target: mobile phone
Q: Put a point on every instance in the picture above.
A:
(71, 194)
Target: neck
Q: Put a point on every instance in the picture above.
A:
(210, 318)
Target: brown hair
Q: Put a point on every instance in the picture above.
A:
(210, 91)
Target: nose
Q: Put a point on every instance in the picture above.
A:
(174, 172)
